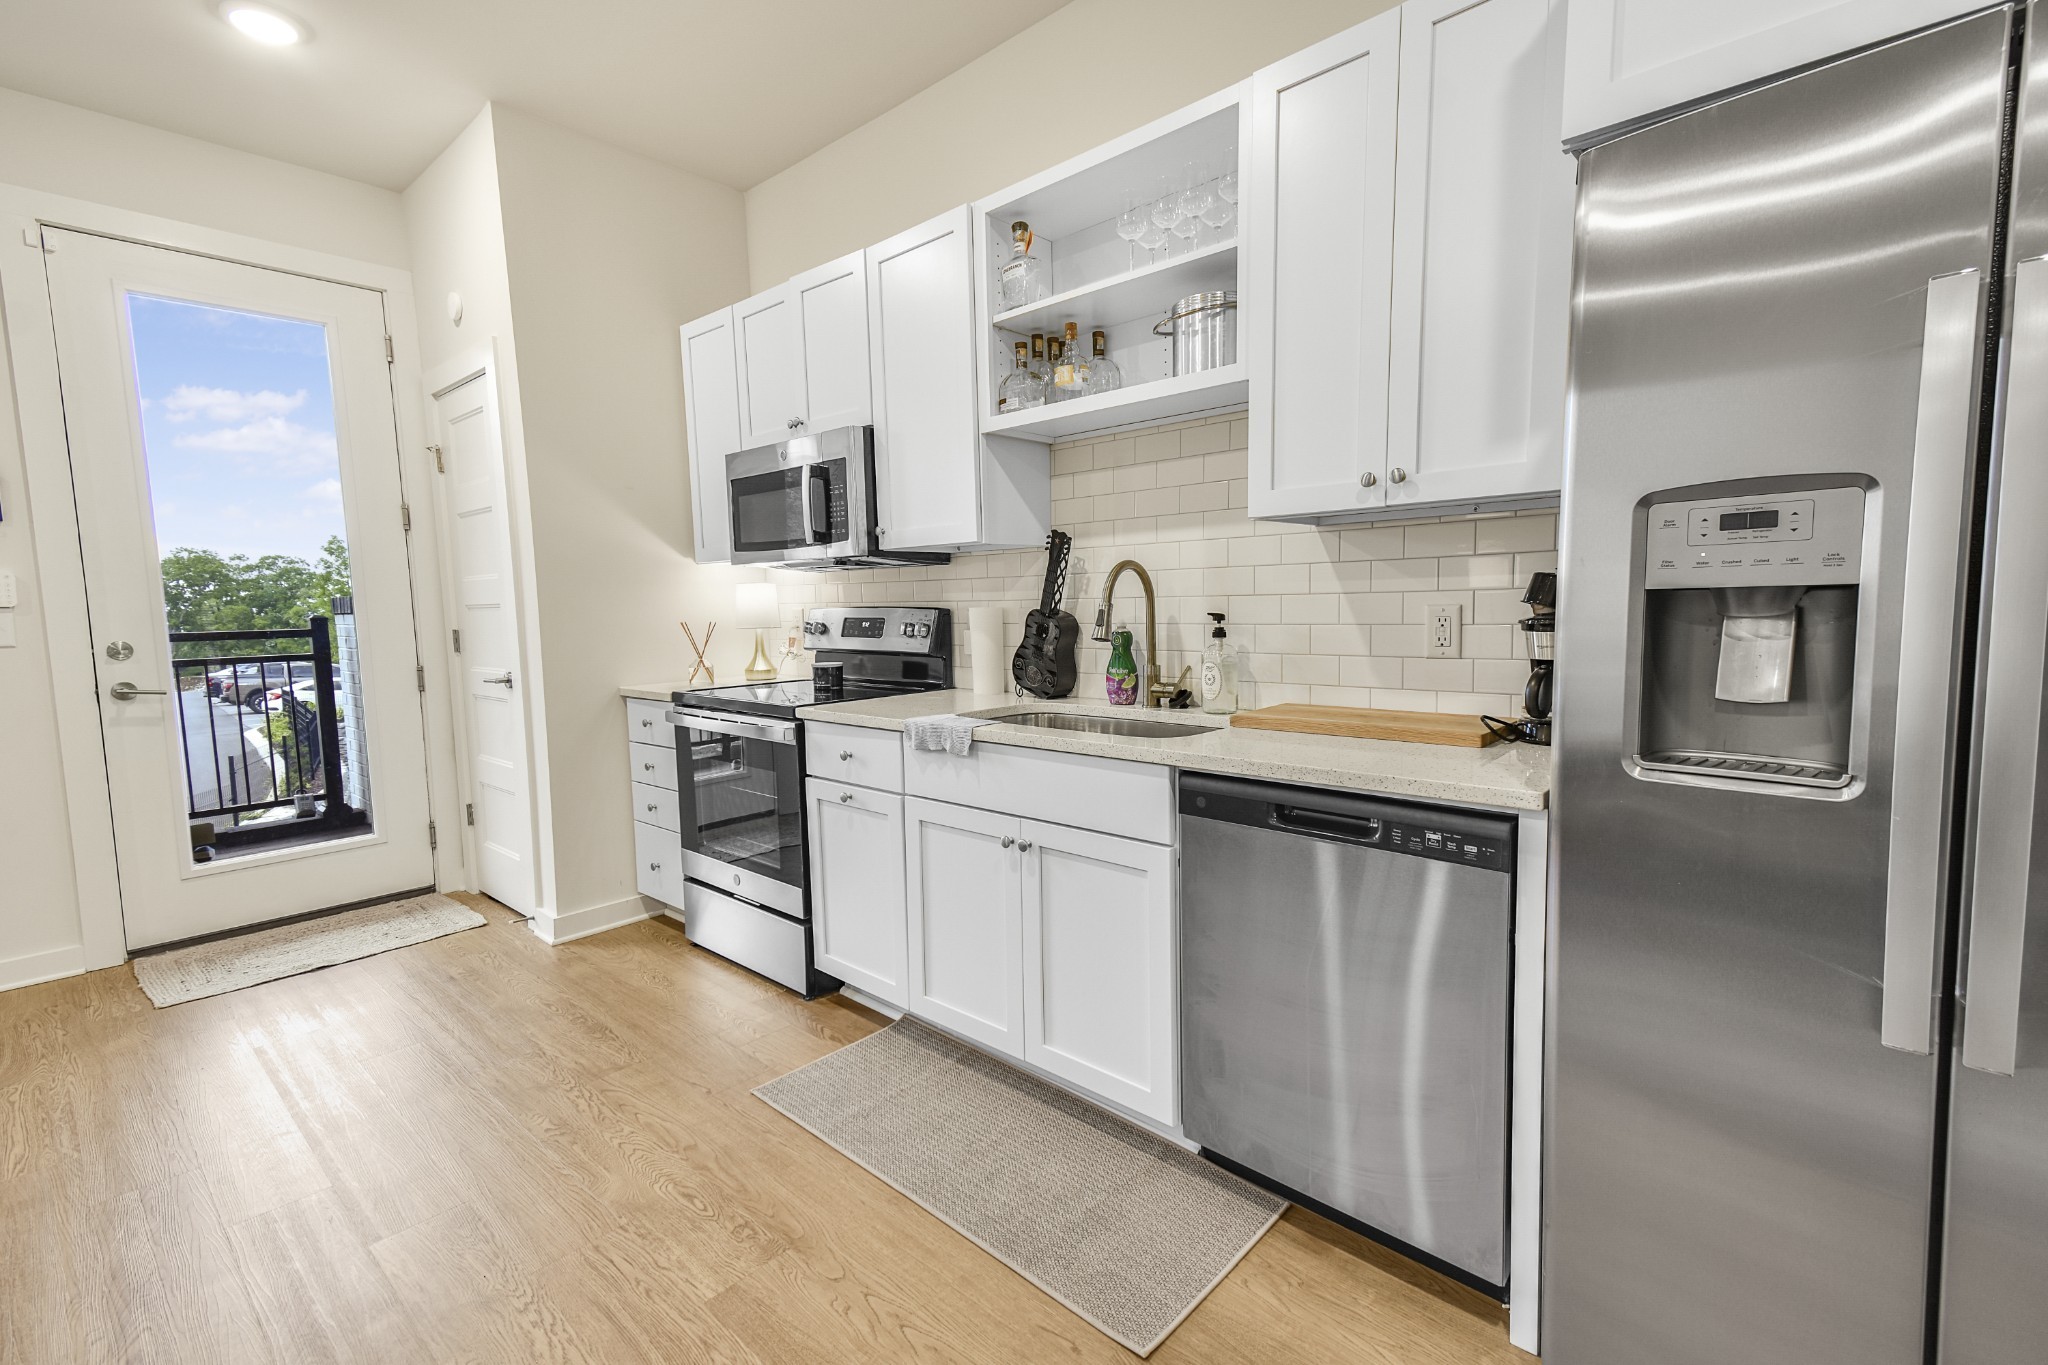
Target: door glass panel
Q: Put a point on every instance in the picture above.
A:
(742, 803)
(245, 486)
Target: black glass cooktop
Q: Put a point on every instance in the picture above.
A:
(781, 698)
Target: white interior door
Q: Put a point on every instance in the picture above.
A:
(183, 436)
(487, 625)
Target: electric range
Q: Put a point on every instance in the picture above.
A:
(740, 780)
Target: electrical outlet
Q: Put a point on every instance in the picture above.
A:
(1446, 634)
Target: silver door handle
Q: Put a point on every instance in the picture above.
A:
(1368, 479)
(1942, 448)
(2015, 655)
(1009, 841)
(128, 691)
(504, 680)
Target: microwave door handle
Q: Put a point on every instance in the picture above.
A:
(2015, 661)
(816, 476)
(1942, 447)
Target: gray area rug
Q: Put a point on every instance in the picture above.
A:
(1123, 1227)
(229, 964)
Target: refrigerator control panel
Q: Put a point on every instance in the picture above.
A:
(1807, 538)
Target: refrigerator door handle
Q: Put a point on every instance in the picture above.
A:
(1951, 345)
(2015, 655)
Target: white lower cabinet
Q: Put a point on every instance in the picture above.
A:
(658, 863)
(1100, 1007)
(965, 897)
(857, 897)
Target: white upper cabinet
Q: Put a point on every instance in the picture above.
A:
(711, 414)
(1629, 58)
(1318, 235)
(769, 340)
(1482, 255)
(942, 485)
(832, 322)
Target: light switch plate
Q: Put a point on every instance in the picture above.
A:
(6, 588)
(1446, 631)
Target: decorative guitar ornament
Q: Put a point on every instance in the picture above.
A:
(1044, 665)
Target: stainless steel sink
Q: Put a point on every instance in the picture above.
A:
(1105, 725)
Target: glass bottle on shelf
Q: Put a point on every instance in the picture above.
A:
(1021, 279)
(1020, 388)
(1103, 374)
(1070, 375)
(1053, 392)
(1040, 366)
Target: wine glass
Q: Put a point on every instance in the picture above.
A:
(1166, 210)
(1186, 228)
(1219, 213)
(1226, 185)
(1193, 202)
(1154, 238)
(1132, 225)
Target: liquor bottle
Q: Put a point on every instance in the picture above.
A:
(1020, 279)
(1040, 366)
(1103, 375)
(1055, 350)
(1020, 388)
(1070, 375)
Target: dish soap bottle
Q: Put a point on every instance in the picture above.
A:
(1219, 671)
(1121, 681)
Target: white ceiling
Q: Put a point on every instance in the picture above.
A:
(733, 90)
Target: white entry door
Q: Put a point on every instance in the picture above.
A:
(487, 639)
(234, 457)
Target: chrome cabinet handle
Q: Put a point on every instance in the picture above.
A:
(2016, 653)
(504, 680)
(1009, 841)
(1942, 449)
(1398, 475)
(846, 755)
(128, 691)
(1368, 479)
(1023, 845)
(845, 797)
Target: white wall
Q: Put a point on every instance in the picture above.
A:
(609, 254)
(66, 151)
(1077, 78)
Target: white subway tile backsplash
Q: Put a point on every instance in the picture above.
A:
(1333, 616)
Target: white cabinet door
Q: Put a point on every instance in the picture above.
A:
(921, 348)
(768, 340)
(711, 413)
(1318, 244)
(832, 323)
(658, 863)
(1100, 1009)
(1482, 255)
(1628, 58)
(858, 915)
(963, 883)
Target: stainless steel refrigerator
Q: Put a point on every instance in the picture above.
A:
(1799, 1023)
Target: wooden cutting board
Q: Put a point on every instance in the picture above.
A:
(1354, 722)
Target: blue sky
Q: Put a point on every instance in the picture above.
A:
(238, 427)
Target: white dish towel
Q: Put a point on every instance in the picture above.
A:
(943, 734)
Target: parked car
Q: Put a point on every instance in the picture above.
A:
(247, 684)
(306, 691)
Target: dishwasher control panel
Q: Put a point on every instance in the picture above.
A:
(1448, 845)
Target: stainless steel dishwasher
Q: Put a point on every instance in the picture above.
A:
(1345, 972)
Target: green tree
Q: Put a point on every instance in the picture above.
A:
(207, 591)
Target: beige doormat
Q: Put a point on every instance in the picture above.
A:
(229, 964)
(1123, 1227)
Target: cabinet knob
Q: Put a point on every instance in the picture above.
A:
(654, 867)
(845, 797)
(650, 806)
(1368, 479)
(1023, 845)
(647, 767)
(1398, 475)
(646, 724)
(1009, 841)
(846, 755)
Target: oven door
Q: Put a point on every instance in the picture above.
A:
(801, 501)
(740, 795)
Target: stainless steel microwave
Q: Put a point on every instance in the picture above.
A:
(809, 503)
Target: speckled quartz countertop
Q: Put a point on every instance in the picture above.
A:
(1503, 776)
(661, 693)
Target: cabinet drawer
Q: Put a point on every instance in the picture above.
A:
(647, 723)
(658, 863)
(654, 765)
(1134, 800)
(848, 753)
(656, 806)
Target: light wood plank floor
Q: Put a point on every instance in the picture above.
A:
(485, 1149)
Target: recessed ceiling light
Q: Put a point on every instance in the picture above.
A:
(262, 23)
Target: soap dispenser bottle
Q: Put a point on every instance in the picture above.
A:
(1219, 671)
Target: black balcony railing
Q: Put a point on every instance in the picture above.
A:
(299, 762)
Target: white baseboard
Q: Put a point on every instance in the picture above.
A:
(595, 919)
(36, 968)
(861, 997)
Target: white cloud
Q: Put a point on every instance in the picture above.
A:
(229, 405)
(280, 441)
(327, 490)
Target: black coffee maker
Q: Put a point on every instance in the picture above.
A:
(1539, 631)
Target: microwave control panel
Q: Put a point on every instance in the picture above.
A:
(1807, 538)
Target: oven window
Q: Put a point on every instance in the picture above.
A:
(742, 803)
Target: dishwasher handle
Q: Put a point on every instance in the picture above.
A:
(1327, 824)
